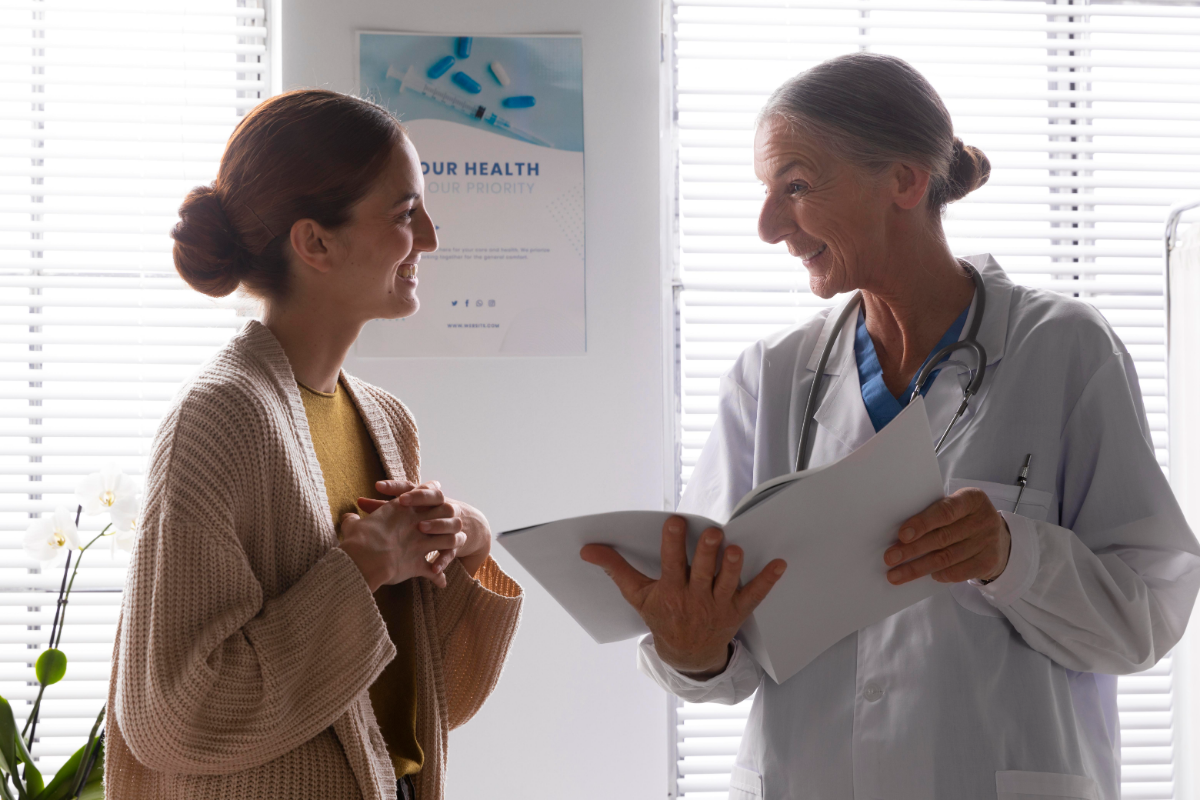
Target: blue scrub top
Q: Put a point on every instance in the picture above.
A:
(882, 405)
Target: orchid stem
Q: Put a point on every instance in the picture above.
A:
(31, 722)
(66, 596)
(60, 622)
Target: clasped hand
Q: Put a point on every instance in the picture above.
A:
(474, 551)
(397, 539)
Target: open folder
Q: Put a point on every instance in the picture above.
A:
(831, 524)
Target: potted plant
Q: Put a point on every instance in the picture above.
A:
(48, 539)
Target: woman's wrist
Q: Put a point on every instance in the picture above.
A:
(475, 553)
(373, 576)
(476, 527)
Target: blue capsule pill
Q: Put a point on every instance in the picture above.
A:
(440, 68)
(464, 46)
(520, 101)
(466, 82)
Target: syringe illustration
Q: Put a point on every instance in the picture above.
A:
(415, 82)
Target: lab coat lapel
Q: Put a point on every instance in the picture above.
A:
(841, 420)
(945, 394)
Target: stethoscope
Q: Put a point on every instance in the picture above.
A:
(968, 342)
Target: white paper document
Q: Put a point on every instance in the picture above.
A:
(831, 524)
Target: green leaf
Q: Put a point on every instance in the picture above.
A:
(22, 755)
(94, 788)
(60, 787)
(93, 791)
(8, 738)
(22, 752)
(33, 779)
(51, 667)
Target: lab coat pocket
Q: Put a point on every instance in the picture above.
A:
(1044, 786)
(1035, 504)
(745, 784)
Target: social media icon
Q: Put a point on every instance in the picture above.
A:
(453, 302)
(491, 303)
(478, 303)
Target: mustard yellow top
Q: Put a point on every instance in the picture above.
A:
(351, 466)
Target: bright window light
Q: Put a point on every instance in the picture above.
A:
(109, 113)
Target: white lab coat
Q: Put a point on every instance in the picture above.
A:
(999, 691)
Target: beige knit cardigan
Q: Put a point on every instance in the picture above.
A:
(247, 638)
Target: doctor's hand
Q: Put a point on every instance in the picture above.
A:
(957, 538)
(692, 612)
(478, 546)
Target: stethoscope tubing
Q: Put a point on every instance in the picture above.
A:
(969, 342)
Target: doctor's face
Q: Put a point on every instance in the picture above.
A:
(829, 213)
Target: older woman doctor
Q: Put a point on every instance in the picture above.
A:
(1005, 686)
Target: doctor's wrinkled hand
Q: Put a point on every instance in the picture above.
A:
(958, 538)
(692, 612)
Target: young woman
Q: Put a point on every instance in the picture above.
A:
(283, 634)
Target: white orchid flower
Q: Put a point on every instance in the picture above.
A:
(50, 537)
(101, 491)
(124, 521)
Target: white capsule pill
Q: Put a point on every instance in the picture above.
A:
(499, 74)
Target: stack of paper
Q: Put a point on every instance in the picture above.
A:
(831, 524)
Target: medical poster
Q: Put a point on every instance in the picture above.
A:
(498, 124)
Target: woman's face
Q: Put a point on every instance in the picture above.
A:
(830, 214)
(380, 247)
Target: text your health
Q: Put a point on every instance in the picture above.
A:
(510, 168)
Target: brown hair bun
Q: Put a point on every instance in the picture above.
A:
(969, 169)
(207, 252)
(305, 154)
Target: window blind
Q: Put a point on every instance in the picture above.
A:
(1088, 114)
(109, 113)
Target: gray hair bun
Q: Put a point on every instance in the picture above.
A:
(969, 169)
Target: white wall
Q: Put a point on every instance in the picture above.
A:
(529, 440)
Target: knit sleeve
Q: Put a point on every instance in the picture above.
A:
(477, 618)
(217, 675)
